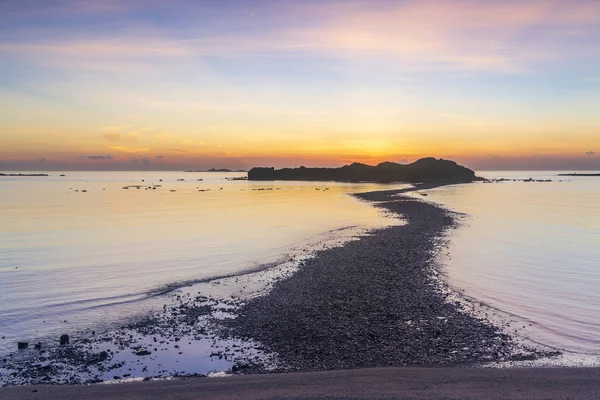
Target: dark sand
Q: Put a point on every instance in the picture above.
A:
(375, 383)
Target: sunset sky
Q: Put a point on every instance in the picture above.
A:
(173, 84)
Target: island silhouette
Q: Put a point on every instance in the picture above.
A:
(427, 169)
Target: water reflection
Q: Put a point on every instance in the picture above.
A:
(82, 249)
(532, 250)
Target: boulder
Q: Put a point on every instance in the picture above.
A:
(64, 339)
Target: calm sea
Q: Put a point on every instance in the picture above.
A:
(80, 252)
(73, 260)
(531, 251)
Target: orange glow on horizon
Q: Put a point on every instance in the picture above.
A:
(486, 83)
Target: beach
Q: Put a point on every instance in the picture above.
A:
(300, 199)
(377, 301)
(374, 383)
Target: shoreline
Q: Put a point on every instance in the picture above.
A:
(263, 339)
(375, 302)
(186, 340)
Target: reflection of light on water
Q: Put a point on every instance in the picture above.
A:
(90, 258)
(529, 251)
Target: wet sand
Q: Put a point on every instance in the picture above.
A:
(375, 383)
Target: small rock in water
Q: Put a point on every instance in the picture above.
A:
(22, 345)
(143, 353)
(64, 339)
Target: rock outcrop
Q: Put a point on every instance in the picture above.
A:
(64, 339)
(423, 170)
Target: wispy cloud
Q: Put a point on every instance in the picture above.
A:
(126, 149)
(97, 158)
(103, 47)
(189, 142)
(344, 77)
(113, 128)
(74, 7)
(502, 36)
(125, 137)
(143, 160)
(484, 35)
(112, 137)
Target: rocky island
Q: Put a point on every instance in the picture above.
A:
(579, 174)
(3, 174)
(424, 170)
(216, 170)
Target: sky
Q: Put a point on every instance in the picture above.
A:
(178, 84)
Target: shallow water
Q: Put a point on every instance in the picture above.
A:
(532, 252)
(73, 260)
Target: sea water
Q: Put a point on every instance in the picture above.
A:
(90, 249)
(70, 260)
(530, 251)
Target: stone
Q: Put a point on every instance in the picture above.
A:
(64, 339)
